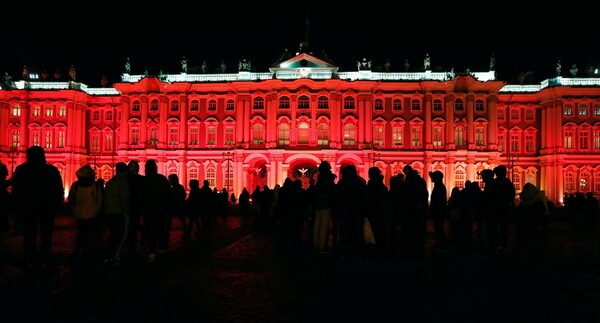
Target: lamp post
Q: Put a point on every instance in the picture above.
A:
(228, 157)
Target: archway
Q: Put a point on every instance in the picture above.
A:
(303, 169)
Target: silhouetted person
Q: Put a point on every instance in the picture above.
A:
(504, 204)
(245, 206)
(207, 202)
(135, 233)
(5, 199)
(489, 216)
(156, 207)
(177, 198)
(416, 210)
(398, 224)
(192, 208)
(85, 201)
(351, 200)
(531, 224)
(117, 205)
(323, 199)
(38, 193)
(438, 208)
(379, 208)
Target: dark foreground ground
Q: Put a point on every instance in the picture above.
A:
(239, 274)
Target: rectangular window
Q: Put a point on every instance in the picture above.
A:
(211, 138)
(529, 143)
(596, 139)
(135, 136)
(36, 138)
(95, 143)
(501, 143)
(49, 111)
(48, 139)
(108, 142)
(416, 137)
(229, 136)
(173, 136)
(194, 136)
(480, 137)
(583, 139)
(568, 140)
(378, 136)
(322, 136)
(397, 136)
(60, 143)
(62, 111)
(437, 136)
(514, 143)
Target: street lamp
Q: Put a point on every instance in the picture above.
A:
(228, 157)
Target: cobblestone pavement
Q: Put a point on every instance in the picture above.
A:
(239, 274)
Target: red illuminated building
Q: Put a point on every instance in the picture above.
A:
(248, 128)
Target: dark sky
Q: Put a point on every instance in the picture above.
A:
(96, 37)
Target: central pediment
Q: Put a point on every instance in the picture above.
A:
(303, 65)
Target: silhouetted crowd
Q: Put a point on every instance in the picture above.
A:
(350, 217)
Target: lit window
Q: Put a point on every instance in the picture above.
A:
(37, 111)
(397, 135)
(60, 143)
(15, 111)
(323, 134)
(349, 134)
(49, 111)
(194, 135)
(258, 133)
(173, 136)
(135, 136)
(568, 110)
(438, 135)
(459, 136)
(480, 137)
(211, 137)
(283, 134)
(95, 145)
(229, 136)
(378, 136)
(303, 133)
(583, 111)
(583, 139)
(415, 137)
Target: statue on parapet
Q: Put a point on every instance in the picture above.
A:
(127, 65)
(427, 62)
(244, 66)
(364, 65)
(558, 68)
(184, 65)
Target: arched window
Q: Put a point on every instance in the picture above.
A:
(135, 107)
(378, 106)
(284, 102)
(303, 102)
(458, 105)
(212, 105)
(397, 105)
(323, 102)
(415, 105)
(154, 105)
(479, 107)
(211, 176)
(259, 103)
(437, 105)
(230, 105)
(194, 106)
(175, 106)
(348, 102)
(303, 133)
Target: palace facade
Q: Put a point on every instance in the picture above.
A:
(251, 128)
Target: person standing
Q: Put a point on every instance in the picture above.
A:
(37, 193)
(135, 232)
(155, 207)
(438, 208)
(85, 201)
(323, 202)
(117, 208)
(176, 207)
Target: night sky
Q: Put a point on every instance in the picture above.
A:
(96, 37)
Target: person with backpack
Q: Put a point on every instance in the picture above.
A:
(85, 201)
